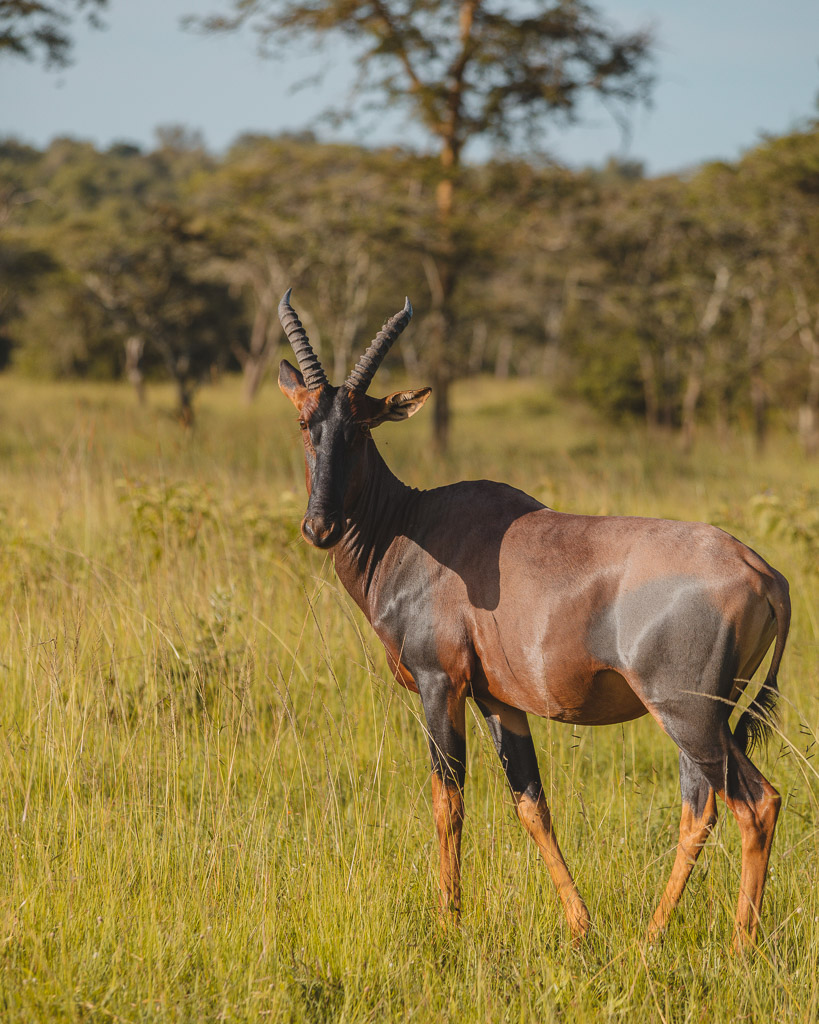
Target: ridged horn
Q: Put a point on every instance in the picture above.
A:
(359, 379)
(311, 369)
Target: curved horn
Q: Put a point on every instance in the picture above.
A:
(359, 379)
(309, 364)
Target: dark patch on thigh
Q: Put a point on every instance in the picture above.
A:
(666, 617)
(672, 642)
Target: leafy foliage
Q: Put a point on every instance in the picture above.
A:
(680, 299)
(32, 28)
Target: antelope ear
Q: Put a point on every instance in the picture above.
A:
(398, 406)
(291, 383)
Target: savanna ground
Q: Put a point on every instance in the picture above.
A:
(214, 800)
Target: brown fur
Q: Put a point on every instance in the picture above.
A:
(476, 590)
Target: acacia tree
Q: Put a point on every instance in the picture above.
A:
(493, 69)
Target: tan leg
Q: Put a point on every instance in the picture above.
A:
(445, 711)
(509, 728)
(757, 821)
(537, 820)
(448, 809)
(694, 831)
(754, 803)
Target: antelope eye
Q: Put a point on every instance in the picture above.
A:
(365, 428)
(302, 425)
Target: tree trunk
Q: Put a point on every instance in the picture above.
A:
(346, 326)
(134, 347)
(808, 416)
(503, 358)
(441, 411)
(696, 371)
(759, 409)
(693, 390)
(441, 362)
(256, 356)
(253, 373)
(449, 131)
(756, 377)
(808, 428)
(184, 393)
(650, 396)
(480, 335)
(266, 282)
(440, 282)
(441, 276)
(809, 410)
(553, 319)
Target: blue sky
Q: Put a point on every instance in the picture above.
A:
(727, 71)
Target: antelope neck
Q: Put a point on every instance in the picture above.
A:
(377, 514)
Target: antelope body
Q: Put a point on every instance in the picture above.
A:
(478, 591)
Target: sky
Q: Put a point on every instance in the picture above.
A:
(728, 71)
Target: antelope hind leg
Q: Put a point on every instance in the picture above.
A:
(755, 804)
(699, 815)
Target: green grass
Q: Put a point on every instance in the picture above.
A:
(214, 800)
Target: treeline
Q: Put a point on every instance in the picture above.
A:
(678, 298)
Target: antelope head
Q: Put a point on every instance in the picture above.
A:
(335, 422)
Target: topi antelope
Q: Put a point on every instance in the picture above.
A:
(477, 590)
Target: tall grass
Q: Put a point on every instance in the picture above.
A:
(214, 799)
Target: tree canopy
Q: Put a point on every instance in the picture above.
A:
(466, 69)
(475, 69)
(678, 299)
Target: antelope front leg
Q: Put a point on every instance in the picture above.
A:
(444, 709)
(513, 741)
(448, 808)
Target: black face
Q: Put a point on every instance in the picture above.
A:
(335, 427)
(333, 446)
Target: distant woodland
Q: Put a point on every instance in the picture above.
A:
(680, 299)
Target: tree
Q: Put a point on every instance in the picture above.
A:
(21, 270)
(123, 264)
(780, 185)
(23, 263)
(35, 28)
(149, 281)
(475, 69)
(322, 218)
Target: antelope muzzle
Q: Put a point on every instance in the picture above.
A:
(321, 531)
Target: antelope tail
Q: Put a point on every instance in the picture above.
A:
(756, 724)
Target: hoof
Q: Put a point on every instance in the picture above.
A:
(579, 925)
(449, 915)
